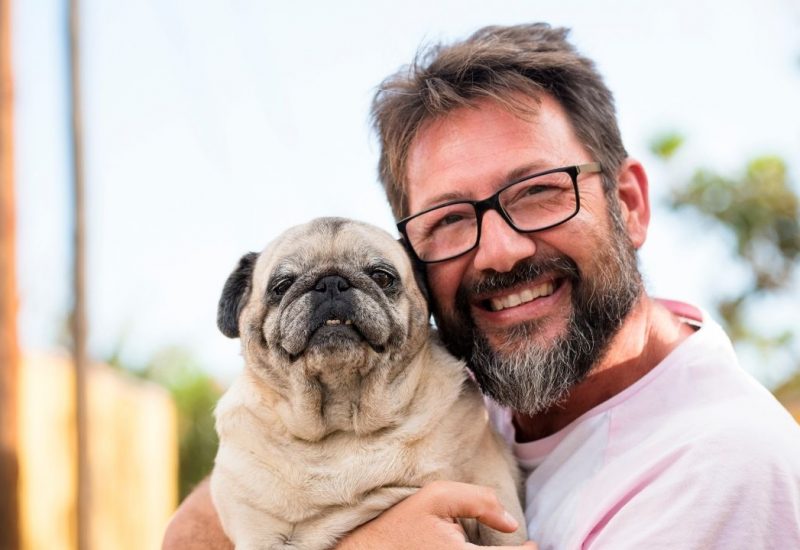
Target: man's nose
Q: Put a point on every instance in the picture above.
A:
(501, 247)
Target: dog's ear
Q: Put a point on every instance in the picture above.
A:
(420, 273)
(235, 295)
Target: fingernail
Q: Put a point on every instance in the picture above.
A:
(510, 519)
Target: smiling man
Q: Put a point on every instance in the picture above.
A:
(633, 423)
(535, 298)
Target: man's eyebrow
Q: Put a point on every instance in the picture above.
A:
(515, 174)
(528, 170)
(443, 198)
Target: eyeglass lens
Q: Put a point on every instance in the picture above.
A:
(531, 204)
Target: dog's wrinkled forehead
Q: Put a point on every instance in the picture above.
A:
(330, 243)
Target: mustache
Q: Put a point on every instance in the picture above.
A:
(458, 328)
(523, 272)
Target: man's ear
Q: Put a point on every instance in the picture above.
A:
(634, 200)
(235, 295)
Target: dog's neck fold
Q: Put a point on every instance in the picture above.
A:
(314, 401)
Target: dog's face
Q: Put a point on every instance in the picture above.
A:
(330, 294)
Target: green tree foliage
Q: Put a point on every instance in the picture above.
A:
(760, 209)
(666, 144)
(195, 394)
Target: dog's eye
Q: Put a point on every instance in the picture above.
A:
(382, 278)
(282, 286)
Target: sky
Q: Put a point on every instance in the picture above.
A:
(212, 126)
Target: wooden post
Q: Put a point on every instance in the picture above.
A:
(9, 351)
(78, 317)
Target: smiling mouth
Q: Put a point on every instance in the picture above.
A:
(520, 297)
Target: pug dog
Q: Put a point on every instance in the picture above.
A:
(348, 403)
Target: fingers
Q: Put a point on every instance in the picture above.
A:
(426, 519)
(451, 499)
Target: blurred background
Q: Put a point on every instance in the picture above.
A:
(171, 137)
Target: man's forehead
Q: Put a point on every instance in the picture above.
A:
(487, 143)
(511, 174)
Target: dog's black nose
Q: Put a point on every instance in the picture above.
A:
(333, 285)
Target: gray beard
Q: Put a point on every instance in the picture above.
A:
(530, 378)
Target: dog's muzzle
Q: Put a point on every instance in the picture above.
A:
(332, 313)
(332, 302)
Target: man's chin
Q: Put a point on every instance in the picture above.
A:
(524, 373)
(538, 333)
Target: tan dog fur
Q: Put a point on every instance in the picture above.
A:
(327, 428)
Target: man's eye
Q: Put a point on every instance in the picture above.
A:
(543, 186)
(382, 278)
(539, 191)
(536, 189)
(450, 219)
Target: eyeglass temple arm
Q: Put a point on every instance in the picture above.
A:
(589, 167)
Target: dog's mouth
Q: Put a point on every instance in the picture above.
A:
(340, 327)
(337, 322)
(336, 332)
(329, 325)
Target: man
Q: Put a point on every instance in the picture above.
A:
(632, 421)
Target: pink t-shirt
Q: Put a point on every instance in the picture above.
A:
(696, 454)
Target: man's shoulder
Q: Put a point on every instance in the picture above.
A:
(701, 408)
(723, 482)
(747, 436)
(745, 441)
(725, 416)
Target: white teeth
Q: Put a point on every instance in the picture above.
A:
(522, 297)
(338, 322)
(526, 295)
(348, 322)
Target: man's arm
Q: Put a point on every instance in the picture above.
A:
(423, 520)
(195, 524)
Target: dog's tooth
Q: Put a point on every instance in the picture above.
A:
(348, 322)
(332, 322)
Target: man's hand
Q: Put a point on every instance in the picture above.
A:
(195, 525)
(427, 519)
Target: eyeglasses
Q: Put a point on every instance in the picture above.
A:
(533, 203)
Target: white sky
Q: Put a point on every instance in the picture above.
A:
(211, 126)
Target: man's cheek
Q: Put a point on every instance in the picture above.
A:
(443, 283)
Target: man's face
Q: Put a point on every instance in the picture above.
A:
(531, 312)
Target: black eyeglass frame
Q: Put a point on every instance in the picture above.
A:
(493, 203)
